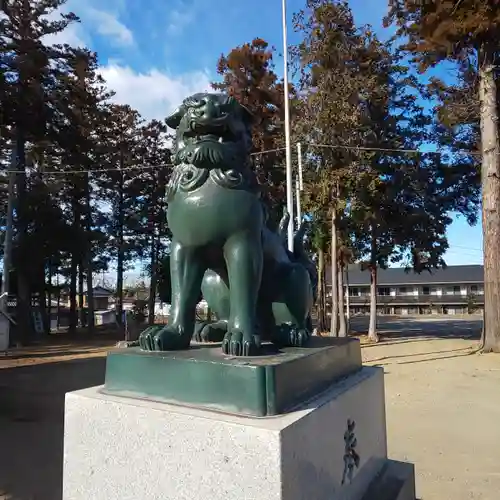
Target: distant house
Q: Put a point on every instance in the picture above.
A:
(454, 290)
(102, 297)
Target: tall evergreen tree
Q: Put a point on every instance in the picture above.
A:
(466, 32)
(29, 69)
(81, 107)
(364, 104)
(119, 187)
(248, 74)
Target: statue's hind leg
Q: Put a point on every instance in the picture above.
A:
(216, 292)
(243, 256)
(186, 270)
(292, 312)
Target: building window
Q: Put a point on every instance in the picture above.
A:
(354, 292)
(426, 290)
(456, 290)
(474, 289)
(383, 291)
(403, 291)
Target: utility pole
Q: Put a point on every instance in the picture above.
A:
(7, 247)
(7, 250)
(288, 147)
(297, 200)
(299, 185)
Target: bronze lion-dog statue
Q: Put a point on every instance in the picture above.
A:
(221, 243)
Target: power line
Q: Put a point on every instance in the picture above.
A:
(460, 152)
(65, 172)
(257, 153)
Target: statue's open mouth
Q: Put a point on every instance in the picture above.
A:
(216, 130)
(209, 138)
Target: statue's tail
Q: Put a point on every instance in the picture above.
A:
(283, 226)
(299, 250)
(300, 254)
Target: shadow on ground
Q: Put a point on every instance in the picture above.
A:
(406, 329)
(32, 424)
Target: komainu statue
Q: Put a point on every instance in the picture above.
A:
(221, 243)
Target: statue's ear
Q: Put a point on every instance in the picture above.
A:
(175, 118)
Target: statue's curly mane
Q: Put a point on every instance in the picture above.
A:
(213, 140)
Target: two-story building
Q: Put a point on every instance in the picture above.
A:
(454, 290)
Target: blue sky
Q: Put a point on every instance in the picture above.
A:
(154, 53)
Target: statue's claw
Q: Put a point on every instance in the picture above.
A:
(291, 336)
(236, 343)
(210, 332)
(164, 338)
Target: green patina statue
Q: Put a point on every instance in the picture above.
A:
(221, 244)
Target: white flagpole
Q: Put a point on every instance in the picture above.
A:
(299, 155)
(297, 199)
(289, 180)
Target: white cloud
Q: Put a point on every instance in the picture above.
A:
(154, 94)
(103, 22)
(178, 20)
(107, 24)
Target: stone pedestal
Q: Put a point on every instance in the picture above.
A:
(331, 448)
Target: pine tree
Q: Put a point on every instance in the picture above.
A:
(80, 108)
(121, 189)
(466, 32)
(330, 115)
(247, 73)
(31, 67)
(156, 155)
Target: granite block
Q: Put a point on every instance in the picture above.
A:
(119, 448)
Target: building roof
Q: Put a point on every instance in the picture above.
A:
(100, 291)
(401, 276)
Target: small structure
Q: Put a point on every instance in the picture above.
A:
(105, 317)
(6, 321)
(101, 298)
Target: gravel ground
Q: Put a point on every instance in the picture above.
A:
(442, 408)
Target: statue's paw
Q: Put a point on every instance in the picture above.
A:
(236, 343)
(210, 332)
(198, 327)
(291, 336)
(164, 338)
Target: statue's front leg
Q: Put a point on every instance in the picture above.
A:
(186, 270)
(243, 255)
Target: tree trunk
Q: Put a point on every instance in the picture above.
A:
(121, 250)
(24, 330)
(88, 258)
(154, 279)
(372, 329)
(42, 301)
(342, 323)
(81, 294)
(321, 291)
(335, 303)
(50, 291)
(73, 319)
(347, 299)
(58, 321)
(491, 200)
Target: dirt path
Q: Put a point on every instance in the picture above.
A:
(442, 411)
(443, 414)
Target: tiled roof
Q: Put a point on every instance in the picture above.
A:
(400, 276)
